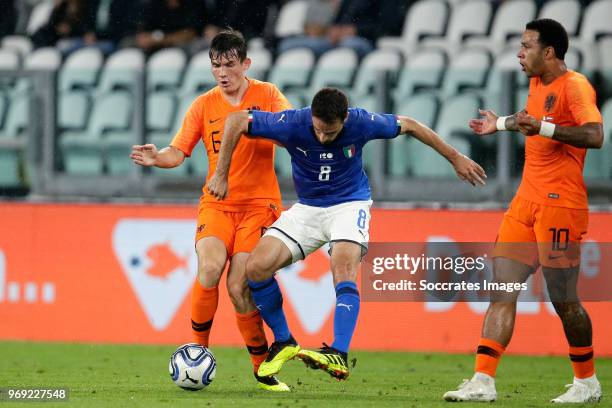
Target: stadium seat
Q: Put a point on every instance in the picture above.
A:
(42, 59)
(455, 113)
(598, 163)
(9, 59)
(605, 53)
(567, 12)
(371, 69)
(292, 69)
(595, 22)
(291, 19)
(261, 61)
(120, 70)
(117, 146)
(508, 22)
(462, 24)
(424, 71)
(17, 117)
(185, 102)
(423, 108)
(4, 104)
(13, 137)
(162, 139)
(20, 43)
(46, 58)
(371, 151)
(198, 76)
(573, 59)
(467, 69)
(282, 162)
(296, 99)
(504, 62)
(83, 151)
(427, 163)
(424, 18)
(165, 68)
(81, 69)
(39, 16)
(161, 107)
(198, 162)
(74, 107)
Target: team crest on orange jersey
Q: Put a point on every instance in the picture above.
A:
(550, 102)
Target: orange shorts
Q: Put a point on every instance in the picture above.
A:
(239, 230)
(539, 234)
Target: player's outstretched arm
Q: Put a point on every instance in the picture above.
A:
(489, 122)
(236, 124)
(147, 155)
(589, 135)
(465, 168)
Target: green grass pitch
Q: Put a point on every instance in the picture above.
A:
(137, 376)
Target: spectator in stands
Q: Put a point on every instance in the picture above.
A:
(246, 16)
(70, 19)
(356, 24)
(106, 23)
(113, 21)
(8, 17)
(168, 23)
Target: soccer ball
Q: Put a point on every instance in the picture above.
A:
(192, 367)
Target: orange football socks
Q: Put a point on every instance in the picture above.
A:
(251, 328)
(204, 303)
(487, 356)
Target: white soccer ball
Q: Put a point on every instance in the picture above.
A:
(192, 367)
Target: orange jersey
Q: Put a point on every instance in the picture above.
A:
(553, 170)
(251, 181)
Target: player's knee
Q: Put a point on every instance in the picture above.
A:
(258, 268)
(567, 310)
(237, 292)
(209, 273)
(344, 270)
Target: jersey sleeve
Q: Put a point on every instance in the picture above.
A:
(380, 125)
(582, 102)
(279, 101)
(190, 132)
(270, 125)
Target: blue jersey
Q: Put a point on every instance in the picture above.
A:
(325, 174)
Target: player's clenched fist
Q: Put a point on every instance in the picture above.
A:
(217, 186)
(144, 155)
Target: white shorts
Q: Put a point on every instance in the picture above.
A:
(304, 229)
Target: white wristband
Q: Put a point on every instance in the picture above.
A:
(547, 129)
(501, 123)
